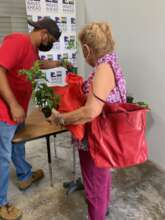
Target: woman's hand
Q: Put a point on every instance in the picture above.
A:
(56, 118)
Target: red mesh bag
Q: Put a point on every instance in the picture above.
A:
(72, 98)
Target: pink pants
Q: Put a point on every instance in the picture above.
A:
(97, 184)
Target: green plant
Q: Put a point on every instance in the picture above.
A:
(130, 99)
(68, 66)
(46, 99)
(72, 44)
(43, 95)
(34, 73)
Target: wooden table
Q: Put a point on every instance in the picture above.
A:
(37, 127)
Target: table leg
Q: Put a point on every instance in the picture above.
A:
(74, 163)
(55, 148)
(49, 160)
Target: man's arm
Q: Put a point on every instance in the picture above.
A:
(17, 112)
(49, 64)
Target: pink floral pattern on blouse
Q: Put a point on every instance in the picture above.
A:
(118, 94)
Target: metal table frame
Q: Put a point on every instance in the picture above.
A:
(37, 127)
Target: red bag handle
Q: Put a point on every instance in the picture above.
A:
(99, 98)
(121, 109)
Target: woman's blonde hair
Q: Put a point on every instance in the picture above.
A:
(98, 37)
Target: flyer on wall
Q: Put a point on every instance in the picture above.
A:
(64, 13)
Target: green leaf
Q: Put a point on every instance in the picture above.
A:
(41, 93)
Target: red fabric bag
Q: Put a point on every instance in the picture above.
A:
(116, 138)
(72, 98)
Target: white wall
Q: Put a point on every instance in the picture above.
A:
(81, 20)
(12, 17)
(139, 30)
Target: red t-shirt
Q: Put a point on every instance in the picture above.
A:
(16, 53)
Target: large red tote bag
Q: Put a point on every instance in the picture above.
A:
(116, 138)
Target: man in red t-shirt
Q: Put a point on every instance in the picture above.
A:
(19, 51)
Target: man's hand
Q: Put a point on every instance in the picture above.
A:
(17, 113)
(49, 64)
(66, 64)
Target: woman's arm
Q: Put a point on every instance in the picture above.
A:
(103, 83)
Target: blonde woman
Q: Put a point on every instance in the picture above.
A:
(107, 83)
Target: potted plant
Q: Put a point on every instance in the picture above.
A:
(68, 66)
(46, 99)
(130, 99)
(72, 45)
(43, 95)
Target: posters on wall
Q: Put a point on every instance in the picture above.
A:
(64, 13)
